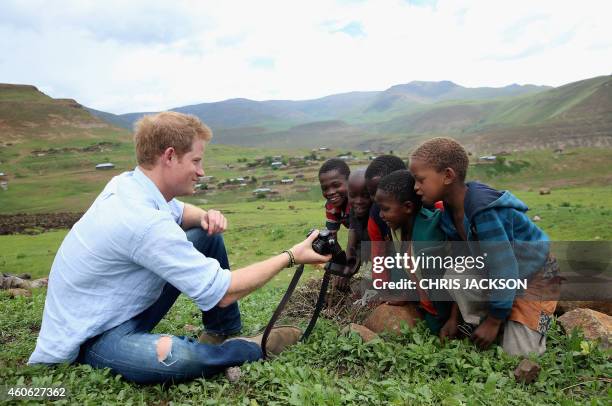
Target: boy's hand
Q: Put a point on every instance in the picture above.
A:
(487, 332)
(449, 329)
(341, 283)
(352, 267)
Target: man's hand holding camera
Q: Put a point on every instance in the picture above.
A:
(303, 252)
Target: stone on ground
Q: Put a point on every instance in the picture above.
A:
(233, 374)
(565, 306)
(389, 318)
(527, 371)
(594, 325)
(365, 333)
(19, 292)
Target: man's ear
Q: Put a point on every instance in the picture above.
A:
(168, 155)
(449, 176)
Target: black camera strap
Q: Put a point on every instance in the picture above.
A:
(330, 269)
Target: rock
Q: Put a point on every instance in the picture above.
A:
(19, 292)
(526, 371)
(544, 191)
(594, 325)
(365, 333)
(24, 276)
(233, 374)
(13, 282)
(565, 306)
(39, 283)
(536, 218)
(389, 318)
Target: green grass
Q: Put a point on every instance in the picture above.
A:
(543, 168)
(413, 368)
(68, 181)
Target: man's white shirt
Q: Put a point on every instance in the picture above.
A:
(114, 263)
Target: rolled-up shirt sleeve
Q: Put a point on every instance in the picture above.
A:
(163, 248)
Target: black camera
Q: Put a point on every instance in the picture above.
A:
(326, 244)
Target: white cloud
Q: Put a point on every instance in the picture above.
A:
(151, 55)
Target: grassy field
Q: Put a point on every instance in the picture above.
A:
(413, 368)
(332, 369)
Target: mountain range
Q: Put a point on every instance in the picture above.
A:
(483, 118)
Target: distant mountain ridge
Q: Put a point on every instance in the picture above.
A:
(485, 118)
(236, 113)
(511, 117)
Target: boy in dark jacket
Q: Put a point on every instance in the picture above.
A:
(495, 223)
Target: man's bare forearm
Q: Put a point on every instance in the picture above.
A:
(247, 279)
(192, 216)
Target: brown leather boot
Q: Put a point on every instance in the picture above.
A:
(214, 339)
(280, 338)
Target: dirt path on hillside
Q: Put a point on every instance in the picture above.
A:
(32, 224)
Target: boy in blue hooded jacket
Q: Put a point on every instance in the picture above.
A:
(492, 222)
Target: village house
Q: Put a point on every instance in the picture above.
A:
(488, 158)
(262, 190)
(105, 166)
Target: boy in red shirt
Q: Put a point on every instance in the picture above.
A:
(333, 177)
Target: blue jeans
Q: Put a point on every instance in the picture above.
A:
(132, 351)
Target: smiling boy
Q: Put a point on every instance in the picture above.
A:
(333, 177)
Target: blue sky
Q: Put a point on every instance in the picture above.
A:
(150, 55)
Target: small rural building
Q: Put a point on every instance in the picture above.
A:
(106, 165)
(488, 158)
(261, 191)
(276, 165)
(287, 181)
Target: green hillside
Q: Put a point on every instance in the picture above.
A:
(577, 114)
(28, 116)
(235, 119)
(49, 148)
